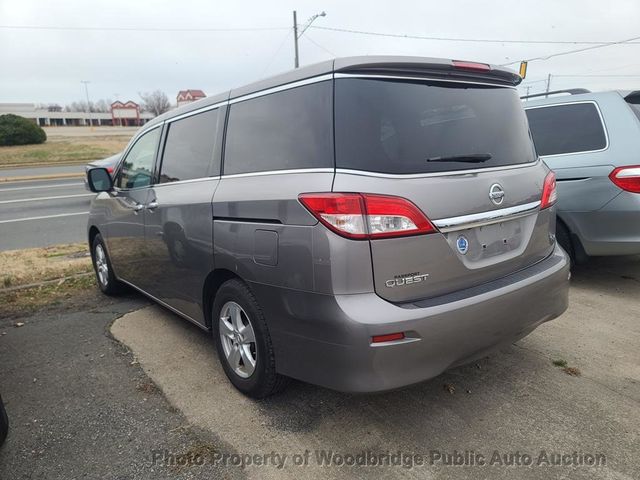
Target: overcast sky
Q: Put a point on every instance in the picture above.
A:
(47, 65)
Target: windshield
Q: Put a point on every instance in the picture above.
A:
(400, 126)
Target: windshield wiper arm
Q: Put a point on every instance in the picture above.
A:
(469, 158)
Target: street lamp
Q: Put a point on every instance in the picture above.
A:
(86, 91)
(297, 35)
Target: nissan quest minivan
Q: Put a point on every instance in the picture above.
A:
(361, 224)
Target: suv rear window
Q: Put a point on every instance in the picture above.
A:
(568, 128)
(392, 126)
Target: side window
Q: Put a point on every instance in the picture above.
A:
(568, 128)
(188, 151)
(137, 168)
(285, 130)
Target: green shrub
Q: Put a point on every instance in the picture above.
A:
(15, 130)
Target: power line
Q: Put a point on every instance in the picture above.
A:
(320, 46)
(599, 76)
(139, 29)
(569, 52)
(457, 39)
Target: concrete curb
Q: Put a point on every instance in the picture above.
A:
(52, 176)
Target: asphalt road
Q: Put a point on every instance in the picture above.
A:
(29, 171)
(80, 406)
(43, 212)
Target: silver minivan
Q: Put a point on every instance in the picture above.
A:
(591, 141)
(361, 224)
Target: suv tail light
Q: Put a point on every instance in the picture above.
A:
(364, 216)
(549, 192)
(627, 178)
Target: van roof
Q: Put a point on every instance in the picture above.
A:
(400, 65)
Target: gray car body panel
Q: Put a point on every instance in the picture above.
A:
(322, 294)
(604, 218)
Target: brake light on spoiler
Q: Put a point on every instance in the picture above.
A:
(475, 66)
(364, 216)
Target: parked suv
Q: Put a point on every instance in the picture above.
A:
(362, 224)
(592, 143)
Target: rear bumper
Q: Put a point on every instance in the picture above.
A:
(612, 230)
(325, 339)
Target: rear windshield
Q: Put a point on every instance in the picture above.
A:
(402, 127)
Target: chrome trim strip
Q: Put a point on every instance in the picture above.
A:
(279, 172)
(430, 79)
(180, 182)
(435, 174)
(559, 104)
(464, 222)
(165, 305)
(196, 112)
(280, 88)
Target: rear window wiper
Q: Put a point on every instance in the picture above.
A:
(469, 158)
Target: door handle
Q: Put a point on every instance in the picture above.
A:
(152, 205)
(137, 207)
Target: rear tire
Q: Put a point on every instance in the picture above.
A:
(105, 278)
(4, 422)
(243, 341)
(563, 237)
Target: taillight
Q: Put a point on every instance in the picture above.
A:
(549, 192)
(366, 216)
(627, 178)
(478, 67)
(389, 337)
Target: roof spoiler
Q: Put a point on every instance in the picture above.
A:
(633, 97)
(434, 68)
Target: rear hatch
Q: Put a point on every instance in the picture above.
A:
(461, 152)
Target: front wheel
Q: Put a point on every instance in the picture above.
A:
(102, 266)
(243, 341)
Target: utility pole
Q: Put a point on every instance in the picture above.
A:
(295, 38)
(86, 91)
(548, 85)
(297, 35)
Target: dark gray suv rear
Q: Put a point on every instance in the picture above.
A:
(362, 224)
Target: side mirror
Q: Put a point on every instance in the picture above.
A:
(99, 180)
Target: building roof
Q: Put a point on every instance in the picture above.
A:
(398, 65)
(127, 104)
(193, 93)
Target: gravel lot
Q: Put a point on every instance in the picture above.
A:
(81, 405)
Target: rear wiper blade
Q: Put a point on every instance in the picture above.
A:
(469, 158)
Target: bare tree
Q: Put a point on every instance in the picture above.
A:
(102, 105)
(155, 102)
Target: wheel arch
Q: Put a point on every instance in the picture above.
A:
(212, 284)
(93, 231)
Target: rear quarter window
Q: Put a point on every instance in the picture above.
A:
(567, 128)
(281, 131)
